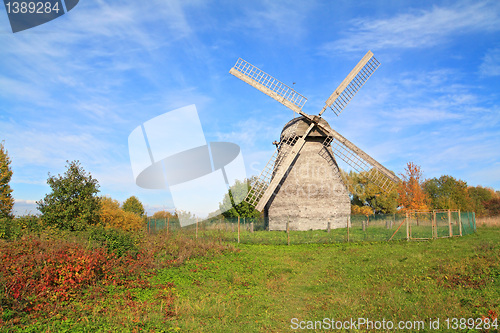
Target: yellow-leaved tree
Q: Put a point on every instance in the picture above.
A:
(361, 210)
(163, 214)
(112, 216)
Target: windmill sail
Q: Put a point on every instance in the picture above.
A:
(264, 187)
(359, 160)
(279, 171)
(261, 184)
(268, 85)
(339, 99)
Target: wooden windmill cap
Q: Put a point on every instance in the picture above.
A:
(298, 126)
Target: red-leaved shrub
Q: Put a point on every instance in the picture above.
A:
(38, 274)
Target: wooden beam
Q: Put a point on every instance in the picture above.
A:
(283, 168)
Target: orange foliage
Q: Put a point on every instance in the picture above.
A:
(361, 210)
(411, 194)
(162, 214)
(112, 216)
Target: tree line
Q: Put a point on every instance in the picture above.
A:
(74, 204)
(416, 193)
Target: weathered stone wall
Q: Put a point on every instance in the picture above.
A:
(312, 193)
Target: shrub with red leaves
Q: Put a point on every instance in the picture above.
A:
(37, 274)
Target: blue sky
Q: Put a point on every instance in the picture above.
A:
(75, 88)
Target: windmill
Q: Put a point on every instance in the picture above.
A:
(302, 183)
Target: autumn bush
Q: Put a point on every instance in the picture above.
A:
(112, 216)
(58, 271)
(38, 275)
(115, 241)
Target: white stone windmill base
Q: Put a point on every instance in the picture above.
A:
(312, 194)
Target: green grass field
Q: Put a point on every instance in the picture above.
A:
(261, 288)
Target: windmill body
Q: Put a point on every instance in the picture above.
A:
(301, 184)
(312, 194)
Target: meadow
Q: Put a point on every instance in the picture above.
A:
(169, 283)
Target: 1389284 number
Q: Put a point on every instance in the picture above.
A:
(32, 7)
(471, 323)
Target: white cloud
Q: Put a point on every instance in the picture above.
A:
(277, 18)
(249, 132)
(25, 207)
(430, 118)
(417, 29)
(491, 63)
(50, 149)
(21, 90)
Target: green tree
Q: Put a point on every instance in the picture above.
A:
(73, 203)
(6, 199)
(446, 192)
(236, 193)
(133, 205)
(365, 193)
(479, 196)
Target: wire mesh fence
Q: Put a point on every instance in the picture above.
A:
(439, 224)
(358, 228)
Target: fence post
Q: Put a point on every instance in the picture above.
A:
(363, 225)
(460, 223)
(348, 229)
(238, 229)
(449, 223)
(168, 224)
(155, 225)
(407, 227)
(251, 227)
(468, 219)
(434, 224)
(329, 227)
(288, 232)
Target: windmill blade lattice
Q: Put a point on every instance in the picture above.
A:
(268, 85)
(372, 171)
(339, 99)
(261, 184)
(263, 189)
